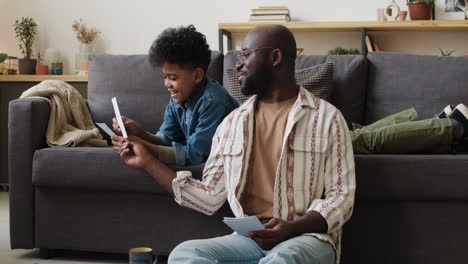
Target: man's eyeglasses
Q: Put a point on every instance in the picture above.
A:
(243, 54)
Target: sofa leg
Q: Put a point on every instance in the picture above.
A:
(45, 253)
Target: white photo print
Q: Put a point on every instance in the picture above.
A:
(455, 5)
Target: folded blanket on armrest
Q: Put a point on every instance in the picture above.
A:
(70, 122)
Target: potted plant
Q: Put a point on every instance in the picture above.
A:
(420, 9)
(25, 30)
(41, 69)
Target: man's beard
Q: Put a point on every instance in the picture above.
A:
(257, 82)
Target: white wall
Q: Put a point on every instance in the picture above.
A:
(129, 27)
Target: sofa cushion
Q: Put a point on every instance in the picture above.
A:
(138, 86)
(411, 177)
(349, 76)
(427, 83)
(316, 79)
(93, 169)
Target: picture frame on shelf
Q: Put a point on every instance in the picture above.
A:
(445, 10)
(455, 5)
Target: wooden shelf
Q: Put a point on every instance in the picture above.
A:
(226, 29)
(419, 25)
(40, 78)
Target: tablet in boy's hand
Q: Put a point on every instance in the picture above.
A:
(106, 129)
(119, 117)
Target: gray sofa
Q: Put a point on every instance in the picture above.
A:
(409, 208)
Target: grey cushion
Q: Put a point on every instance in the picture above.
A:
(316, 79)
(411, 177)
(93, 169)
(349, 78)
(427, 83)
(139, 88)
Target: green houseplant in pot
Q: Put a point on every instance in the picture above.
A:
(25, 30)
(420, 9)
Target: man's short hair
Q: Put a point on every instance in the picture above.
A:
(184, 46)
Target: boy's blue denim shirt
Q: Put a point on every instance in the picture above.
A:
(190, 126)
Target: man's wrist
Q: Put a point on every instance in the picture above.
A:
(297, 228)
(312, 222)
(149, 162)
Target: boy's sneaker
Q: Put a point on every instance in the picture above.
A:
(460, 113)
(446, 112)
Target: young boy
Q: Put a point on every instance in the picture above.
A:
(197, 106)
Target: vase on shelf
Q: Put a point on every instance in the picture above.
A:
(81, 59)
(392, 11)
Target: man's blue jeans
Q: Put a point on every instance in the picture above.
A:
(239, 249)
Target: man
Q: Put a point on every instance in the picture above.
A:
(284, 156)
(403, 133)
(197, 106)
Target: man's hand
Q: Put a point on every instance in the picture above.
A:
(276, 231)
(135, 154)
(132, 127)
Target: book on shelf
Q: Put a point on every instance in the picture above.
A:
(371, 44)
(376, 47)
(269, 18)
(273, 7)
(257, 11)
(270, 13)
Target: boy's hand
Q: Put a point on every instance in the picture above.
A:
(132, 127)
(119, 141)
(135, 154)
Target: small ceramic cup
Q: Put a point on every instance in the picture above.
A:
(380, 14)
(402, 15)
(142, 255)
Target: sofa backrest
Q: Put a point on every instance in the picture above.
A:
(138, 86)
(427, 83)
(349, 76)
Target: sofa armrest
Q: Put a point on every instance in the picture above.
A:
(27, 124)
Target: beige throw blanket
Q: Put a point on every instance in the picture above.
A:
(70, 122)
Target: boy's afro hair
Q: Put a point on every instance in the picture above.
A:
(184, 46)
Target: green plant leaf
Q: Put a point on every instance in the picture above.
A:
(3, 57)
(342, 51)
(445, 53)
